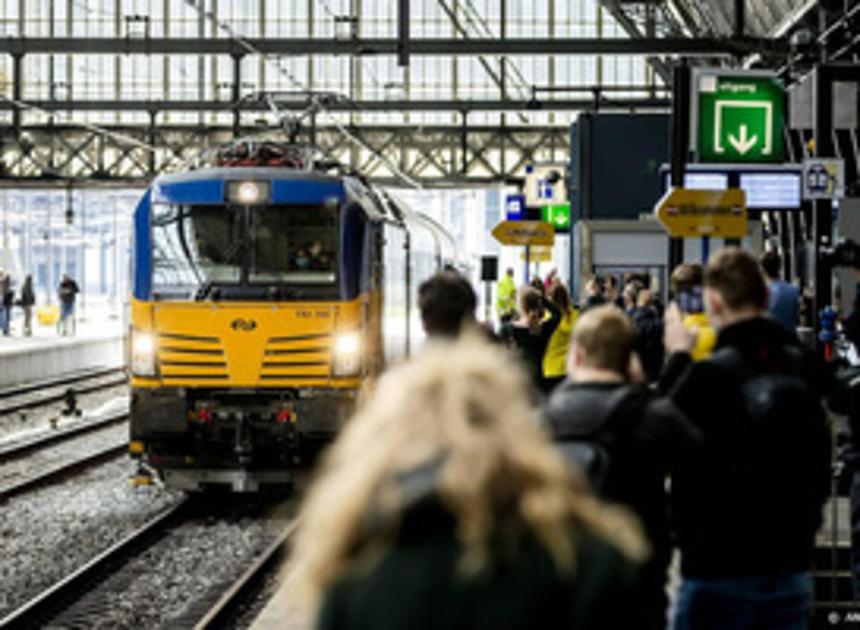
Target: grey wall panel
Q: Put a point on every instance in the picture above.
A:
(629, 249)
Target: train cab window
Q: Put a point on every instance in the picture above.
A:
(293, 244)
(194, 246)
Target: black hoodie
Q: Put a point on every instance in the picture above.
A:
(748, 505)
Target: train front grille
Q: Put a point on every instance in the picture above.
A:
(183, 357)
(297, 358)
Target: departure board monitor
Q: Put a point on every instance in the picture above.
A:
(767, 188)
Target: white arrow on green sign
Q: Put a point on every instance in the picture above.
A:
(743, 144)
(739, 116)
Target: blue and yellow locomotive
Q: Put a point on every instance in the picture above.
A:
(263, 298)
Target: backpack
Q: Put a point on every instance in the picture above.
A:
(772, 394)
(781, 445)
(591, 450)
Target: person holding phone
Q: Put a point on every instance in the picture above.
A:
(686, 284)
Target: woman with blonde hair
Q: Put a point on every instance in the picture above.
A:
(443, 505)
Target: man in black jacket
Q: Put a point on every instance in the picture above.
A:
(748, 508)
(641, 439)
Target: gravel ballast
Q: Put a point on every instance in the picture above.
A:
(175, 582)
(49, 533)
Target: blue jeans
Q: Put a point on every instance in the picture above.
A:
(781, 602)
(67, 318)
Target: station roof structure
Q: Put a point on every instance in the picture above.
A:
(463, 91)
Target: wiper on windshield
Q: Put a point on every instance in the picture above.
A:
(207, 287)
(204, 290)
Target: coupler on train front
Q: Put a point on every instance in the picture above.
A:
(196, 439)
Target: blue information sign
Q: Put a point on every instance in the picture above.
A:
(515, 208)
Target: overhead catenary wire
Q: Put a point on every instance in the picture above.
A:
(118, 136)
(314, 100)
(476, 19)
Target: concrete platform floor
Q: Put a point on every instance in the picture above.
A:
(98, 342)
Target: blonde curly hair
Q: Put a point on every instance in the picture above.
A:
(461, 404)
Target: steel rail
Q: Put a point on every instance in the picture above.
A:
(58, 393)
(21, 448)
(219, 615)
(56, 473)
(48, 603)
(62, 379)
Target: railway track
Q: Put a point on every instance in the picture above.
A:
(23, 397)
(228, 605)
(104, 588)
(42, 459)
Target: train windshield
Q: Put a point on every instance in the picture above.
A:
(293, 245)
(197, 249)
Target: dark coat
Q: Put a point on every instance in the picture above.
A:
(749, 505)
(418, 584)
(649, 340)
(532, 347)
(6, 292)
(28, 297)
(647, 438)
(68, 291)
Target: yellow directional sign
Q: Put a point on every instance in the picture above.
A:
(540, 253)
(687, 212)
(524, 233)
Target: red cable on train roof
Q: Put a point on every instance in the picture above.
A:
(261, 153)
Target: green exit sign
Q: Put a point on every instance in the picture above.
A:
(740, 116)
(557, 214)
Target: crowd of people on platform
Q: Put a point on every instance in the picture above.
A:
(67, 292)
(541, 475)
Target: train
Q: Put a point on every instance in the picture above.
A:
(265, 297)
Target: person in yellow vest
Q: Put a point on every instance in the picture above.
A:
(686, 284)
(506, 297)
(555, 357)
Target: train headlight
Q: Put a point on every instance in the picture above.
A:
(142, 354)
(346, 357)
(248, 193)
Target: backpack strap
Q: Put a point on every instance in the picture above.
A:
(621, 401)
(618, 401)
(790, 360)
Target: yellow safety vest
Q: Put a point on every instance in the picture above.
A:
(555, 357)
(707, 337)
(506, 296)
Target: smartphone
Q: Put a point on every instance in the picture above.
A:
(690, 300)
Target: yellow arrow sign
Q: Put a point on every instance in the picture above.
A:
(539, 253)
(687, 212)
(524, 233)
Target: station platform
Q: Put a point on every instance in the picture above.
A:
(98, 343)
(278, 614)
